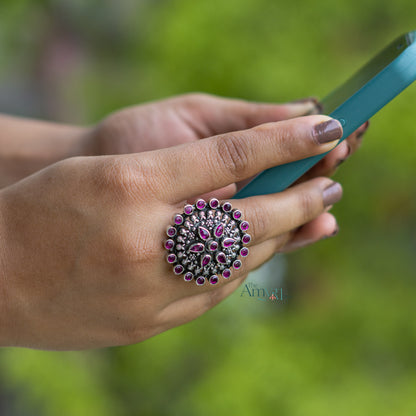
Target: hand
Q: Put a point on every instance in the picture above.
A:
(191, 117)
(82, 261)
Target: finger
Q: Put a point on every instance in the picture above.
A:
(330, 163)
(221, 115)
(322, 227)
(275, 214)
(202, 166)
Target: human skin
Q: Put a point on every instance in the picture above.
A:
(81, 260)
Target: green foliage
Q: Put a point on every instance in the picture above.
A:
(344, 344)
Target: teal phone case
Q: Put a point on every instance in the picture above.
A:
(373, 94)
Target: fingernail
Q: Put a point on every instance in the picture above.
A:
(346, 156)
(327, 131)
(314, 106)
(333, 234)
(363, 129)
(332, 194)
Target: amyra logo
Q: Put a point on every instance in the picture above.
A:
(253, 291)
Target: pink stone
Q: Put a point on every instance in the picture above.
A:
(237, 214)
(219, 230)
(246, 238)
(169, 244)
(203, 233)
(237, 264)
(244, 252)
(188, 276)
(188, 209)
(226, 273)
(228, 242)
(178, 219)
(171, 258)
(213, 203)
(205, 260)
(221, 258)
(200, 204)
(213, 279)
(213, 245)
(200, 281)
(244, 226)
(178, 269)
(196, 248)
(227, 207)
(171, 231)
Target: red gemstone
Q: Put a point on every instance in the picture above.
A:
(244, 226)
(188, 276)
(200, 204)
(226, 273)
(200, 281)
(171, 258)
(227, 207)
(237, 214)
(237, 264)
(246, 238)
(188, 209)
(244, 252)
(213, 203)
(219, 230)
(205, 260)
(221, 258)
(178, 219)
(203, 233)
(228, 242)
(196, 248)
(178, 269)
(213, 246)
(213, 279)
(171, 231)
(169, 244)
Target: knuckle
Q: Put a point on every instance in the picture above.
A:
(258, 223)
(232, 153)
(307, 205)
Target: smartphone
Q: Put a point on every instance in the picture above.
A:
(353, 103)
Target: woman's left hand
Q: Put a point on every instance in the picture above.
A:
(195, 116)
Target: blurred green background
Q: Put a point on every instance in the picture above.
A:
(344, 340)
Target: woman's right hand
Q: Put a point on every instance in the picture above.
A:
(82, 264)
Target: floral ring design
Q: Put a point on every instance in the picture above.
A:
(206, 241)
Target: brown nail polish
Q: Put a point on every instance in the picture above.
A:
(332, 194)
(327, 131)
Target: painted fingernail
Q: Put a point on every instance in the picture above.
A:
(327, 131)
(332, 194)
(333, 234)
(363, 129)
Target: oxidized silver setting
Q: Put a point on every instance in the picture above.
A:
(207, 241)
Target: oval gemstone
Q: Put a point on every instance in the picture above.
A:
(196, 248)
(213, 203)
(226, 273)
(228, 242)
(237, 214)
(246, 238)
(213, 279)
(219, 230)
(205, 260)
(178, 219)
(213, 245)
(178, 269)
(221, 258)
(244, 226)
(200, 204)
(203, 233)
(188, 276)
(244, 252)
(171, 258)
(237, 264)
(169, 244)
(227, 207)
(200, 281)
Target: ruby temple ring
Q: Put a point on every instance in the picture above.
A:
(206, 241)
